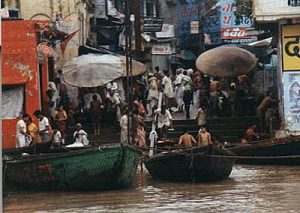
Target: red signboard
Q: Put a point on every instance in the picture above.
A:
(234, 33)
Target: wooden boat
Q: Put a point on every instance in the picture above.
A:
(96, 168)
(274, 151)
(191, 165)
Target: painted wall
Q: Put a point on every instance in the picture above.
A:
(19, 67)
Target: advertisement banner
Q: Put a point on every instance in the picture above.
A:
(290, 42)
(291, 86)
(234, 33)
(161, 49)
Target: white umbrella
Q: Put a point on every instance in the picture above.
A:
(226, 61)
(93, 70)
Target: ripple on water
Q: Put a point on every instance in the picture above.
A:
(249, 189)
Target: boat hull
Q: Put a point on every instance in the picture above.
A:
(192, 165)
(285, 151)
(110, 167)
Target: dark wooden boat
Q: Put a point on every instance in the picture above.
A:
(274, 151)
(97, 168)
(191, 165)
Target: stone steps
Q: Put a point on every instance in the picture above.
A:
(224, 128)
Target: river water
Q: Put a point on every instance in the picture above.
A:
(249, 189)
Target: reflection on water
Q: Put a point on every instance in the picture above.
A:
(249, 189)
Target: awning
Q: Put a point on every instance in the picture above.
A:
(261, 43)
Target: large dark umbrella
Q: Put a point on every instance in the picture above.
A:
(226, 61)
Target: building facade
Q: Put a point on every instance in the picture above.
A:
(285, 14)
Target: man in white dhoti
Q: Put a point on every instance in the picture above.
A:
(179, 89)
(21, 131)
(152, 93)
(167, 88)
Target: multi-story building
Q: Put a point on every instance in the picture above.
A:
(67, 16)
(285, 16)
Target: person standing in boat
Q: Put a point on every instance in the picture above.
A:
(44, 126)
(163, 119)
(186, 140)
(60, 117)
(124, 127)
(95, 108)
(21, 131)
(204, 137)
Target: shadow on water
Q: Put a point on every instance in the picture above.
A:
(249, 189)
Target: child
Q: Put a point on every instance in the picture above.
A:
(57, 140)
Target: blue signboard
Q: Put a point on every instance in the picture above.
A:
(187, 11)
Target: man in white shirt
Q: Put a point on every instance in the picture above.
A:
(187, 93)
(163, 119)
(111, 88)
(44, 126)
(21, 131)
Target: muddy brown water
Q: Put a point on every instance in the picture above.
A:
(249, 189)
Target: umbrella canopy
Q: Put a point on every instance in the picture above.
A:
(226, 61)
(93, 70)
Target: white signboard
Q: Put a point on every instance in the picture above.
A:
(271, 10)
(167, 31)
(161, 49)
(291, 90)
(194, 27)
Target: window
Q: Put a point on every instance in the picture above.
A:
(150, 8)
(12, 101)
(294, 3)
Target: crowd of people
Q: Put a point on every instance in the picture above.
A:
(156, 96)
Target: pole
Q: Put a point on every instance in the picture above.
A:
(137, 28)
(127, 55)
(201, 12)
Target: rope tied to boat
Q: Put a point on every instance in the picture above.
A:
(100, 149)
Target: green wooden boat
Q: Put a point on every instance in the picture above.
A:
(97, 168)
